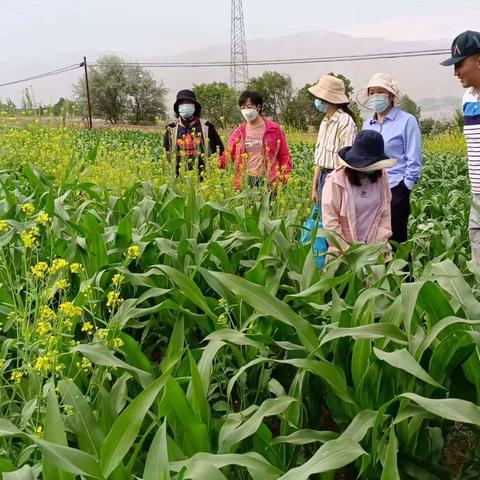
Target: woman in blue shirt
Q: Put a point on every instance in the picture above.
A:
(401, 134)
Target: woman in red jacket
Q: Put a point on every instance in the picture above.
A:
(258, 147)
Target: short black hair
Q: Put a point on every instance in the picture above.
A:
(253, 96)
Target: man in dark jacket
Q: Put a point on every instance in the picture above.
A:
(190, 138)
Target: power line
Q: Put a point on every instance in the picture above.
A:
(281, 61)
(289, 61)
(58, 71)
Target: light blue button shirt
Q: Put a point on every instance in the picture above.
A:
(403, 142)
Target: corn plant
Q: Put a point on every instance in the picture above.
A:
(168, 330)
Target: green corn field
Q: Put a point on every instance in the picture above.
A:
(155, 327)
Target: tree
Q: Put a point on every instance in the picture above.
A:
(426, 126)
(306, 101)
(276, 90)
(429, 126)
(146, 99)
(64, 107)
(219, 103)
(8, 107)
(349, 91)
(118, 91)
(294, 115)
(301, 112)
(409, 106)
(108, 88)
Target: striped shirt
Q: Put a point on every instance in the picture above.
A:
(471, 111)
(335, 132)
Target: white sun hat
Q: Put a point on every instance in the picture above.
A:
(383, 80)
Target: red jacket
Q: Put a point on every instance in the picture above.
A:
(275, 151)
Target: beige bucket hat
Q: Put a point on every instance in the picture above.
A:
(383, 80)
(330, 89)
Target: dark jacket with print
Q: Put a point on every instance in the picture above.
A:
(187, 142)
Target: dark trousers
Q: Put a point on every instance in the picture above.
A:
(320, 184)
(400, 208)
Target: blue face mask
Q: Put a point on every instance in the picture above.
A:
(378, 102)
(320, 105)
(186, 110)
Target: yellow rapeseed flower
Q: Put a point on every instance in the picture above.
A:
(69, 309)
(223, 319)
(29, 237)
(68, 324)
(87, 327)
(3, 226)
(86, 290)
(48, 293)
(102, 334)
(43, 218)
(118, 342)
(44, 328)
(86, 364)
(57, 265)
(16, 376)
(39, 431)
(133, 251)
(39, 269)
(223, 303)
(62, 284)
(117, 279)
(43, 364)
(28, 208)
(113, 300)
(2, 363)
(76, 268)
(47, 314)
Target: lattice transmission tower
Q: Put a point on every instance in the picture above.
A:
(238, 48)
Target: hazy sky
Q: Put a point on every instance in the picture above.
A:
(41, 35)
(158, 27)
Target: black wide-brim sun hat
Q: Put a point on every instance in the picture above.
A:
(367, 153)
(191, 97)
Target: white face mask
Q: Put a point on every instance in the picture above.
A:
(249, 114)
(378, 102)
(186, 110)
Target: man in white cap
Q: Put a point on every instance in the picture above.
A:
(401, 134)
(466, 62)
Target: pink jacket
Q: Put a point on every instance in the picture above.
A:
(275, 150)
(338, 210)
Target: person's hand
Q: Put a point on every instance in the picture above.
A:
(315, 198)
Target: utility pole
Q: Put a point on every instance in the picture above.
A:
(238, 48)
(89, 104)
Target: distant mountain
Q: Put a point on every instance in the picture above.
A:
(439, 108)
(420, 77)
